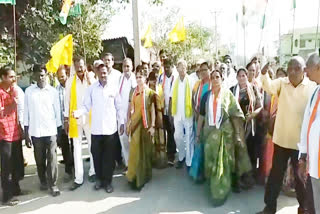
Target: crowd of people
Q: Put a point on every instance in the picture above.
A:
(230, 128)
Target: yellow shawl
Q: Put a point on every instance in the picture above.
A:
(73, 127)
(188, 102)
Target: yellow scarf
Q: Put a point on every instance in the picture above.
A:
(73, 127)
(188, 102)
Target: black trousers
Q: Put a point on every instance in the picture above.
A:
(103, 148)
(279, 166)
(45, 154)
(12, 168)
(118, 150)
(169, 127)
(63, 143)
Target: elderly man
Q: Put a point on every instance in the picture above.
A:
(127, 83)
(293, 92)
(181, 109)
(309, 144)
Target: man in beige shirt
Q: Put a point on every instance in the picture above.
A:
(293, 92)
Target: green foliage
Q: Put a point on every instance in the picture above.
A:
(197, 44)
(41, 28)
(6, 49)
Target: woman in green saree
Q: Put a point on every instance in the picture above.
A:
(220, 124)
(141, 125)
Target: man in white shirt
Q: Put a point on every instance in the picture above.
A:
(181, 108)
(41, 121)
(310, 134)
(81, 83)
(127, 82)
(166, 80)
(114, 81)
(105, 104)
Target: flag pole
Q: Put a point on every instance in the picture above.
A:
(84, 48)
(316, 43)
(294, 13)
(15, 38)
(262, 25)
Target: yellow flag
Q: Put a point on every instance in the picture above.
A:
(147, 38)
(178, 33)
(61, 54)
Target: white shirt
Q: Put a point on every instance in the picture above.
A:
(124, 90)
(105, 103)
(20, 104)
(193, 79)
(114, 78)
(81, 87)
(42, 111)
(181, 115)
(314, 135)
(166, 90)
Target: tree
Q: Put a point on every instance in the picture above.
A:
(38, 28)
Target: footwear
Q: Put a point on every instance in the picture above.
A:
(87, 159)
(54, 191)
(302, 211)
(74, 186)
(170, 160)
(179, 165)
(109, 188)
(11, 202)
(98, 184)
(92, 178)
(125, 171)
(43, 187)
(62, 162)
(170, 163)
(266, 211)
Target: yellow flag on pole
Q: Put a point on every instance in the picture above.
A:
(147, 38)
(61, 54)
(178, 33)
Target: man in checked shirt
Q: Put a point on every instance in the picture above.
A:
(10, 139)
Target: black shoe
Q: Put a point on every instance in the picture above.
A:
(43, 187)
(62, 162)
(92, 178)
(11, 202)
(179, 165)
(87, 160)
(98, 184)
(109, 188)
(75, 186)
(55, 191)
(266, 211)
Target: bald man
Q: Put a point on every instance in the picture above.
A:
(293, 92)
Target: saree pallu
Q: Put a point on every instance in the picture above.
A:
(223, 156)
(141, 143)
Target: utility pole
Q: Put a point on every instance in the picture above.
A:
(136, 34)
(216, 12)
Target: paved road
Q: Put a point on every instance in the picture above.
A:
(170, 191)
